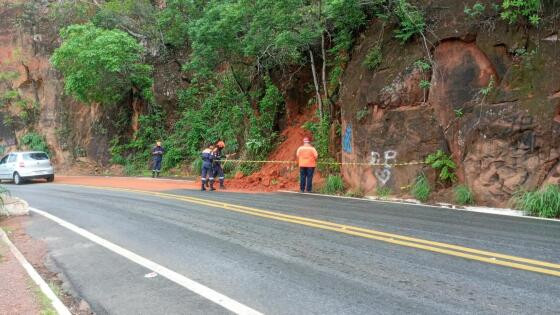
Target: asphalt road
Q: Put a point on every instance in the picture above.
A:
(289, 265)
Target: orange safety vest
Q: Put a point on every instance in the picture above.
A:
(307, 156)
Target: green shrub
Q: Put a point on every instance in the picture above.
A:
(35, 142)
(421, 188)
(333, 185)
(100, 65)
(373, 58)
(443, 163)
(544, 202)
(513, 10)
(476, 10)
(383, 192)
(411, 21)
(463, 195)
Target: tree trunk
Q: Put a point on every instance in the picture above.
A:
(318, 94)
(324, 73)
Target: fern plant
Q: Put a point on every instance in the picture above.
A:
(443, 163)
(411, 21)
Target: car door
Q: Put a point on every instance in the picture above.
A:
(11, 165)
(3, 167)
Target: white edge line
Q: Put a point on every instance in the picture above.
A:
(181, 280)
(55, 301)
(480, 210)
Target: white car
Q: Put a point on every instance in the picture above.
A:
(21, 166)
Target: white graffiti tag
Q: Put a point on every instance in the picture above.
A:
(389, 158)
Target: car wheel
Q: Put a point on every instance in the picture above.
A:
(50, 179)
(17, 179)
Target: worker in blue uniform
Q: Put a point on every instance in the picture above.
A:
(207, 160)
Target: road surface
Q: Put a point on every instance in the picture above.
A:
(283, 253)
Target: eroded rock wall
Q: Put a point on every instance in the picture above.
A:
(493, 104)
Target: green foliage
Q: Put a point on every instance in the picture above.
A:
(425, 84)
(34, 142)
(459, 112)
(411, 21)
(488, 89)
(174, 21)
(320, 130)
(421, 188)
(8, 75)
(100, 65)
(334, 185)
(544, 202)
(463, 195)
(476, 10)
(373, 58)
(383, 192)
(8, 97)
(513, 10)
(423, 65)
(444, 164)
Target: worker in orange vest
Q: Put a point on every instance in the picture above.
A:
(307, 161)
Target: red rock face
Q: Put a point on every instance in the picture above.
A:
(461, 70)
(503, 140)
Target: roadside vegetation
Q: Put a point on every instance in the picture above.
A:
(334, 185)
(544, 202)
(421, 188)
(463, 195)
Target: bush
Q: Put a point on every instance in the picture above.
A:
(100, 65)
(356, 193)
(373, 58)
(443, 163)
(463, 195)
(411, 21)
(35, 142)
(544, 202)
(421, 188)
(333, 185)
(513, 10)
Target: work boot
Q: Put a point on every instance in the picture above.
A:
(212, 185)
(222, 184)
(157, 174)
(203, 184)
(153, 174)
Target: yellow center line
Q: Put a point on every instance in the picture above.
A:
(438, 247)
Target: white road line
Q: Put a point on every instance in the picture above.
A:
(55, 301)
(181, 280)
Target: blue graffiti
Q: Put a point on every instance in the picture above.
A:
(347, 139)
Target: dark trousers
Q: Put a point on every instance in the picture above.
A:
(156, 165)
(306, 178)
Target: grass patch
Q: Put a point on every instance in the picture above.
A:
(421, 188)
(45, 303)
(463, 195)
(544, 202)
(333, 185)
(383, 192)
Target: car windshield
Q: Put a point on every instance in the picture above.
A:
(35, 156)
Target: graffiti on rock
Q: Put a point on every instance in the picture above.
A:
(389, 158)
(347, 139)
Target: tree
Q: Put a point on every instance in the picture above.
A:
(100, 65)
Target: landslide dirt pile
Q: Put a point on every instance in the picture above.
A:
(274, 176)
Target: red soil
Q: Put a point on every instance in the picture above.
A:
(275, 176)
